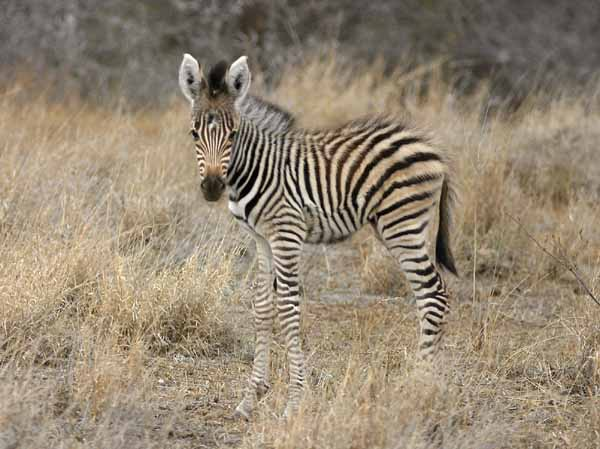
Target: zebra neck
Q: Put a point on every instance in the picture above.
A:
(245, 149)
(255, 152)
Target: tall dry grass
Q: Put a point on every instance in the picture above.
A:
(125, 316)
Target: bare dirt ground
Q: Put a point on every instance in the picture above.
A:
(125, 300)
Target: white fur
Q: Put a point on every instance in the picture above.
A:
(238, 79)
(190, 71)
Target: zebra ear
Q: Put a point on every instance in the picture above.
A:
(190, 77)
(238, 79)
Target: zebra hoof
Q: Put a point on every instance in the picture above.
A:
(240, 415)
(290, 411)
(262, 389)
(244, 409)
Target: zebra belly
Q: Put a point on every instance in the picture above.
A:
(323, 228)
(320, 227)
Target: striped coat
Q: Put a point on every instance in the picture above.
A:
(290, 187)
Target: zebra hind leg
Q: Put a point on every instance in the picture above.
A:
(409, 247)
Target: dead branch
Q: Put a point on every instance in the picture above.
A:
(564, 262)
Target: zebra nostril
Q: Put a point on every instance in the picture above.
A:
(212, 184)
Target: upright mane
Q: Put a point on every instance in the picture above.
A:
(216, 79)
(266, 115)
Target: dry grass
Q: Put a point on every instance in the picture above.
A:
(125, 299)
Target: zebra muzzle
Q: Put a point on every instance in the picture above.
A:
(212, 188)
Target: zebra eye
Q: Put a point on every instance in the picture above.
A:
(232, 134)
(194, 134)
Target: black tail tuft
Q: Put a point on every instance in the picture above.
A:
(443, 252)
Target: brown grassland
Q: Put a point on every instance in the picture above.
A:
(125, 299)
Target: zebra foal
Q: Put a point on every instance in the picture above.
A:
(290, 187)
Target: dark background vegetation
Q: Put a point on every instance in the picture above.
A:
(133, 47)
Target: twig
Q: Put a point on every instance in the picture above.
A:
(565, 263)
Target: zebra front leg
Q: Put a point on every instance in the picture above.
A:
(264, 314)
(286, 258)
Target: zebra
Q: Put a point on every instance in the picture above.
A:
(290, 187)
(266, 114)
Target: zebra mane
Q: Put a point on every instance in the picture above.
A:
(262, 113)
(216, 79)
(266, 115)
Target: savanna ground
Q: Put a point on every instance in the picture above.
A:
(125, 300)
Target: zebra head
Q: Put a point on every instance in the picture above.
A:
(215, 102)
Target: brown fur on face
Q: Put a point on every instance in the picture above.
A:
(214, 94)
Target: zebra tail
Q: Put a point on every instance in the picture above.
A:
(443, 252)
